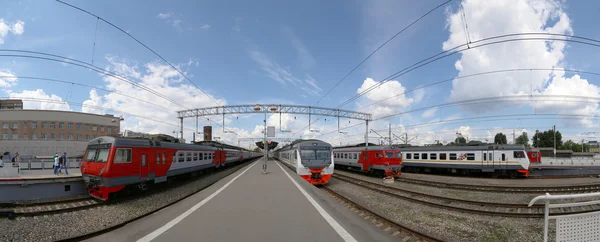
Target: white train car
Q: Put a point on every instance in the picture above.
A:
(498, 160)
(311, 159)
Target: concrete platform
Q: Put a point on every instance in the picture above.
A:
(251, 206)
(38, 185)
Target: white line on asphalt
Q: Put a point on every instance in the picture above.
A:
(336, 226)
(173, 222)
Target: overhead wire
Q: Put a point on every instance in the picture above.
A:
(144, 45)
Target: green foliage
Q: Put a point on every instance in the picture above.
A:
(500, 139)
(575, 147)
(546, 139)
(460, 140)
(523, 139)
(257, 149)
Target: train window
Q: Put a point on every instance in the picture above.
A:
(164, 160)
(355, 156)
(519, 154)
(470, 156)
(491, 156)
(443, 156)
(433, 156)
(174, 158)
(158, 158)
(206, 156)
(389, 155)
(484, 156)
(195, 156)
(503, 157)
(188, 156)
(416, 156)
(345, 155)
(452, 156)
(424, 156)
(143, 159)
(399, 155)
(408, 156)
(156, 143)
(181, 157)
(123, 156)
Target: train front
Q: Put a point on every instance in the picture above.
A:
(316, 159)
(93, 167)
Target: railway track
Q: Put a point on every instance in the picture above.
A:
(461, 205)
(508, 189)
(382, 222)
(37, 209)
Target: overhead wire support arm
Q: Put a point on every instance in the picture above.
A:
(283, 108)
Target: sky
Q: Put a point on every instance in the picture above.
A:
(281, 52)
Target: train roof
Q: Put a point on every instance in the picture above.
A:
(298, 141)
(120, 141)
(466, 147)
(355, 145)
(374, 147)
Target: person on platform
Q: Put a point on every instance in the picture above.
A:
(63, 164)
(1, 161)
(15, 160)
(56, 164)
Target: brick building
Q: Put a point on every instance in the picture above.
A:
(11, 104)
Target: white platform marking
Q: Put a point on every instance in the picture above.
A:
(336, 226)
(173, 222)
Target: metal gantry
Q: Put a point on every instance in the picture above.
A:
(274, 109)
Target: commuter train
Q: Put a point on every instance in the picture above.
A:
(497, 160)
(380, 160)
(311, 159)
(110, 164)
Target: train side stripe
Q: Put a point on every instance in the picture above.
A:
(336, 226)
(178, 219)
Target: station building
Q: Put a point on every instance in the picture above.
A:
(45, 132)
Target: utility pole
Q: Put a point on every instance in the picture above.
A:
(405, 138)
(554, 130)
(513, 136)
(390, 134)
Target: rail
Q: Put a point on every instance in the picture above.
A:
(574, 227)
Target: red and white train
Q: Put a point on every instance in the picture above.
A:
(381, 160)
(110, 164)
(311, 159)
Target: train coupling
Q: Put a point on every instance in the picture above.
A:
(392, 173)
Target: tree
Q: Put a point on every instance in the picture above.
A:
(546, 139)
(460, 140)
(575, 147)
(500, 139)
(451, 144)
(257, 149)
(523, 139)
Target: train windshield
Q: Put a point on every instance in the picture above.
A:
(389, 155)
(97, 153)
(315, 154)
(323, 154)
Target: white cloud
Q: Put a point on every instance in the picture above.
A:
(95, 100)
(205, 26)
(385, 91)
(16, 28)
(171, 19)
(284, 76)
(44, 101)
(489, 18)
(429, 112)
(164, 15)
(7, 79)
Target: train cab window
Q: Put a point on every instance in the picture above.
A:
(181, 157)
(416, 156)
(424, 156)
(123, 156)
(452, 156)
(164, 160)
(519, 154)
(433, 156)
(470, 156)
(399, 155)
(503, 157)
(408, 156)
(443, 156)
(389, 155)
(355, 156)
(158, 158)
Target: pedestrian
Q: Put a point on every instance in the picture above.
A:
(56, 164)
(15, 160)
(64, 163)
(1, 161)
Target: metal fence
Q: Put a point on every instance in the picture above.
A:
(573, 227)
(43, 164)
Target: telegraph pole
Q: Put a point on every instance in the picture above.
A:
(554, 130)
(390, 134)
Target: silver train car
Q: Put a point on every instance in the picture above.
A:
(311, 159)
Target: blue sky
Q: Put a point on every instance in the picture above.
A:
(246, 52)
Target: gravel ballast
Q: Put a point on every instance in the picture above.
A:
(71, 224)
(441, 223)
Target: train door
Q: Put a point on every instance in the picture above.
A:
(490, 157)
(144, 166)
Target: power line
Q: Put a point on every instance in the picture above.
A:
(377, 49)
(139, 42)
(457, 49)
(88, 66)
(479, 74)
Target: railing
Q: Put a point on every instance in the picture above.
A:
(573, 227)
(42, 164)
